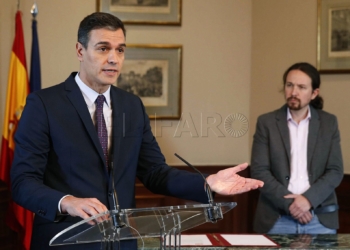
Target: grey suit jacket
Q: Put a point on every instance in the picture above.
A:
(271, 163)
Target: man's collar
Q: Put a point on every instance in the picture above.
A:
(289, 115)
(90, 93)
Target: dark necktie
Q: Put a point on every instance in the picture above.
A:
(101, 126)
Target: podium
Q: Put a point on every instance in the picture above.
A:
(167, 223)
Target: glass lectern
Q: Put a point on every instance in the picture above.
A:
(167, 223)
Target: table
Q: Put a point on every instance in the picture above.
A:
(321, 241)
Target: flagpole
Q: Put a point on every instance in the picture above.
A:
(35, 74)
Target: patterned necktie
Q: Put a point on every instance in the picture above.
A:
(101, 126)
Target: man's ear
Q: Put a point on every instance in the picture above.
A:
(80, 50)
(315, 93)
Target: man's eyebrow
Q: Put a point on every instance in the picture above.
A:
(297, 84)
(102, 43)
(108, 43)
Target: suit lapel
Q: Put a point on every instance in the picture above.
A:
(281, 120)
(76, 98)
(314, 126)
(118, 129)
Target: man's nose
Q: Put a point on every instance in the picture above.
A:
(295, 91)
(112, 57)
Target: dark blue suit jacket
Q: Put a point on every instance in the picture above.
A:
(58, 152)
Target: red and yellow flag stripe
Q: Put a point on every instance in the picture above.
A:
(19, 219)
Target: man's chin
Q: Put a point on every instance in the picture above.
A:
(294, 107)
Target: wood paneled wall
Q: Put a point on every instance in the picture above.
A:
(343, 195)
(232, 222)
(238, 220)
(8, 238)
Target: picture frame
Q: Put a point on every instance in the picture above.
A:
(333, 41)
(154, 72)
(148, 12)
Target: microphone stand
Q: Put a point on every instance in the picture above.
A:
(212, 213)
(117, 221)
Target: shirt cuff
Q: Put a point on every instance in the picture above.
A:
(59, 203)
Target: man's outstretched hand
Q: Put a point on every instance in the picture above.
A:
(228, 182)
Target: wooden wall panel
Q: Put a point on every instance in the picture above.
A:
(343, 195)
(232, 222)
(238, 220)
(8, 238)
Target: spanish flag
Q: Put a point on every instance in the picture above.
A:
(17, 218)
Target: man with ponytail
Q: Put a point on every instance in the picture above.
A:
(296, 153)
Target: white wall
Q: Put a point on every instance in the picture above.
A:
(234, 55)
(216, 37)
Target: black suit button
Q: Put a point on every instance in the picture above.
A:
(287, 178)
(110, 193)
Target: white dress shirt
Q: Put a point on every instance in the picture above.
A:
(298, 134)
(90, 97)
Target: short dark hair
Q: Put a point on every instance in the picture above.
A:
(98, 20)
(313, 73)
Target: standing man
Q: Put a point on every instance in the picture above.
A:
(70, 135)
(296, 153)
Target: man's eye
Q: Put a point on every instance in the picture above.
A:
(121, 50)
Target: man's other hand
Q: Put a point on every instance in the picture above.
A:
(228, 182)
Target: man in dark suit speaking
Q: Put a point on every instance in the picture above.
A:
(70, 135)
(296, 152)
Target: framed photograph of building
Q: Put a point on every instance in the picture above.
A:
(158, 12)
(153, 72)
(333, 50)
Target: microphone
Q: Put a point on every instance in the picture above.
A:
(212, 212)
(117, 221)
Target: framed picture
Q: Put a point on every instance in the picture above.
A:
(160, 12)
(153, 72)
(333, 47)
